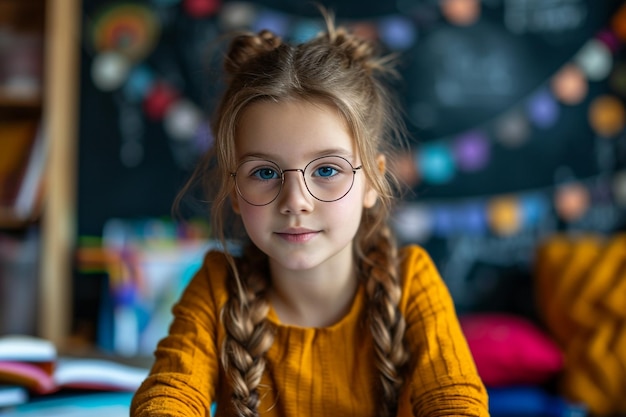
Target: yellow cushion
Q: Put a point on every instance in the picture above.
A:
(581, 295)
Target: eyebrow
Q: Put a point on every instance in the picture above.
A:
(324, 152)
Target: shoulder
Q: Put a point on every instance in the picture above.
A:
(415, 260)
(215, 262)
(216, 268)
(420, 278)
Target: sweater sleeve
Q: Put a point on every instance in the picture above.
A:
(184, 375)
(443, 378)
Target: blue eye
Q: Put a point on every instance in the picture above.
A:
(266, 174)
(325, 171)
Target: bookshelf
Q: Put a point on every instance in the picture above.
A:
(54, 106)
(22, 26)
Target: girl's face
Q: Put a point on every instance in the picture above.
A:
(296, 230)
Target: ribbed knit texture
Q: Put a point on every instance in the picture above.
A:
(581, 293)
(317, 371)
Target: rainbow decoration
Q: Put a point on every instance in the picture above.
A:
(129, 29)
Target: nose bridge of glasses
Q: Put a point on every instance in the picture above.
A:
(301, 171)
(299, 187)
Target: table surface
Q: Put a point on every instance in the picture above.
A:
(100, 404)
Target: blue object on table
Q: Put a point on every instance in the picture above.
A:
(107, 404)
(528, 401)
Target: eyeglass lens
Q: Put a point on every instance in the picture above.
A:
(327, 179)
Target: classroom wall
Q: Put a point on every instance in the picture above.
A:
(515, 110)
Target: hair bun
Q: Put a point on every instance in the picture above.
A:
(248, 46)
(358, 48)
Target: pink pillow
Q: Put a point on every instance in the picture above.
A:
(510, 350)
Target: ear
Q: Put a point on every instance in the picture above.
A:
(234, 201)
(371, 195)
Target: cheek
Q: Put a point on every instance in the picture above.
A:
(248, 213)
(346, 211)
(253, 217)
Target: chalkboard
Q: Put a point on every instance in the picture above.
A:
(459, 80)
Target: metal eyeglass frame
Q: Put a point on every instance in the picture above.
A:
(300, 170)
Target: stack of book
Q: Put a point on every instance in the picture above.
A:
(31, 369)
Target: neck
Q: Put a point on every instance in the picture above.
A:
(317, 297)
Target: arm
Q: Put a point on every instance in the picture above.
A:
(183, 379)
(443, 379)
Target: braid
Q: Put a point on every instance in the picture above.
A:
(248, 334)
(386, 322)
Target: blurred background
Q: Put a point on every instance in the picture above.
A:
(516, 172)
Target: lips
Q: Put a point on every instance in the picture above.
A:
(298, 235)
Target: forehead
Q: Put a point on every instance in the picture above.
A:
(292, 130)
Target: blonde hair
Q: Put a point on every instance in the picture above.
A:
(338, 69)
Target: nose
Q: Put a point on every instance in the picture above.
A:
(294, 196)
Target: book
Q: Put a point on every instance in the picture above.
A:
(26, 348)
(12, 395)
(16, 142)
(97, 374)
(34, 363)
(30, 191)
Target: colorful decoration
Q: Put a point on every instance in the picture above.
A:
(125, 34)
(543, 110)
(504, 215)
(512, 129)
(607, 116)
(436, 163)
(571, 201)
(398, 32)
(569, 85)
(201, 8)
(128, 28)
(472, 151)
(158, 100)
(460, 12)
(109, 70)
(508, 214)
(182, 120)
(595, 60)
(237, 15)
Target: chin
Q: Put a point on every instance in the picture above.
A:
(295, 262)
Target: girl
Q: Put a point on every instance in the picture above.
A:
(320, 315)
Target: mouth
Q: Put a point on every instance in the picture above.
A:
(298, 235)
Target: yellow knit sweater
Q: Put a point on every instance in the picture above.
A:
(316, 371)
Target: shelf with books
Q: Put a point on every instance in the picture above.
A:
(22, 32)
(22, 162)
(39, 45)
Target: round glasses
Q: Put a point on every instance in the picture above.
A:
(328, 179)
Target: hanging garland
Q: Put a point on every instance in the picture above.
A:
(124, 34)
